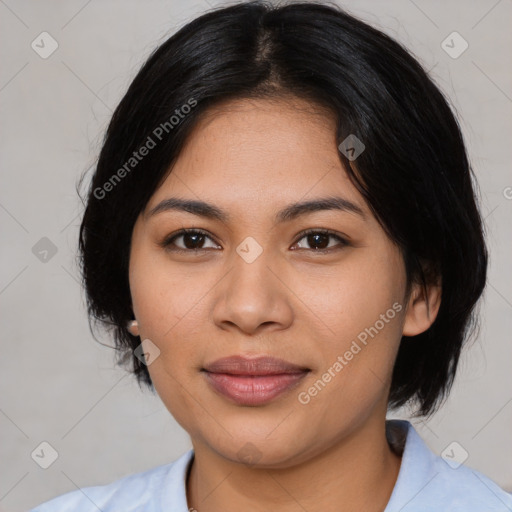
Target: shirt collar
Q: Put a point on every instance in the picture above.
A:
(417, 468)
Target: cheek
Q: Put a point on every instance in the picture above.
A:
(167, 304)
(352, 296)
(165, 297)
(356, 371)
(361, 306)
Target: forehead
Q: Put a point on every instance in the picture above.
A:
(256, 152)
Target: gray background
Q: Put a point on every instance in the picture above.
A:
(59, 385)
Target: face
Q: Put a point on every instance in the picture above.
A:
(320, 288)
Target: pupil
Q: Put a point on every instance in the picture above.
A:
(194, 244)
(313, 240)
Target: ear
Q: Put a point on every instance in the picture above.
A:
(422, 308)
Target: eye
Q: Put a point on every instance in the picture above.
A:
(319, 239)
(191, 240)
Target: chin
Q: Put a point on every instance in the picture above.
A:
(264, 451)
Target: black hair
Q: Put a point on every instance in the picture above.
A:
(414, 173)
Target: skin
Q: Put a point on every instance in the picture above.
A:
(251, 159)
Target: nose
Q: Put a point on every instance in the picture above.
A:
(252, 298)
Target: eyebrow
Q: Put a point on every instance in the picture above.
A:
(287, 214)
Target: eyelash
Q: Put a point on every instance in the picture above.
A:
(168, 241)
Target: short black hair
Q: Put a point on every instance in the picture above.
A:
(414, 173)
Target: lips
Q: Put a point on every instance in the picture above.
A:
(253, 381)
(264, 365)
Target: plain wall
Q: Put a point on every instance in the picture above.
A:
(58, 384)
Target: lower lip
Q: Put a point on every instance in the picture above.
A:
(252, 389)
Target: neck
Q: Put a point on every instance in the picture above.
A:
(358, 471)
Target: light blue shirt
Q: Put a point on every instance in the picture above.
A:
(426, 483)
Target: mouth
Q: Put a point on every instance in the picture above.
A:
(254, 381)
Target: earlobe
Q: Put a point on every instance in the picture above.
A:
(133, 327)
(422, 309)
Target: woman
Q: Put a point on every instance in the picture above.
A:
(283, 234)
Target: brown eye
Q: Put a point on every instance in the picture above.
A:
(188, 240)
(320, 241)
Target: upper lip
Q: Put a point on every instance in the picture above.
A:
(263, 365)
